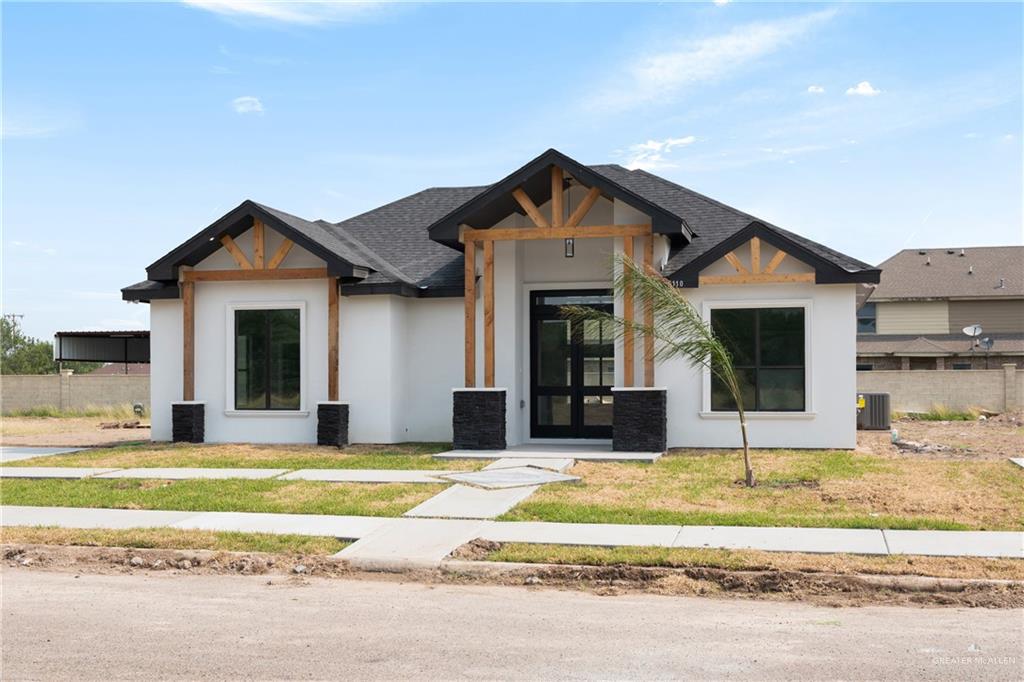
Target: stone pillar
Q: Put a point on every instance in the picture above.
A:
(639, 420)
(940, 363)
(1011, 401)
(332, 423)
(188, 421)
(478, 418)
(905, 363)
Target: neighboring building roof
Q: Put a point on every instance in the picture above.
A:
(393, 243)
(970, 272)
(936, 344)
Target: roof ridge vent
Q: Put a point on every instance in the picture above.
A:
(950, 251)
(921, 252)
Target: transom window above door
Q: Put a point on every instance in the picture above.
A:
(267, 359)
(768, 354)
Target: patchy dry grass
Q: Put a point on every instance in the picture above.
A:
(168, 538)
(402, 456)
(284, 497)
(752, 560)
(796, 488)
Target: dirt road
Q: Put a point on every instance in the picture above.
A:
(159, 626)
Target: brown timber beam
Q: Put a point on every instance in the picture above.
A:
(251, 275)
(581, 211)
(332, 339)
(235, 252)
(774, 262)
(756, 279)
(755, 255)
(280, 254)
(469, 298)
(648, 317)
(531, 209)
(258, 244)
(628, 353)
(188, 317)
(489, 314)
(557, 195)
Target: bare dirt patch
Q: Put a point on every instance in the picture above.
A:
(820, 588)
(65, 432)
(996, 437)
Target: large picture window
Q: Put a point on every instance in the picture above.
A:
(767, 349)
(267, 362)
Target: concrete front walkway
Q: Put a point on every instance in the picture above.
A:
(408, 541)
(14, 453)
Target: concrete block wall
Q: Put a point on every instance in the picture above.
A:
(71, 391)
(998, 390)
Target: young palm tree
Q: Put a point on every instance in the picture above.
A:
(678, 332)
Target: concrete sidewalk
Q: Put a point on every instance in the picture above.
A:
(404, 541)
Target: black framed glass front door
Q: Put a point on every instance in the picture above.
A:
(572, 366)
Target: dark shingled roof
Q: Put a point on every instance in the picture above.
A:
(711, 220)
(393, 242)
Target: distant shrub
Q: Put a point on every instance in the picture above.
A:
(123, 412)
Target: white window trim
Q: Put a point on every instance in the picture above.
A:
(805, 303)
(229, 403)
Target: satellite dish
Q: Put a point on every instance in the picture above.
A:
(973, 330)
(987, 343)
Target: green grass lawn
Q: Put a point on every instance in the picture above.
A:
(839, 489)
(753, 560)
(403, 456)
(287, 497)
(171, 538)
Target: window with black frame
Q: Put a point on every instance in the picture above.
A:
(767, 349)
(267, 362)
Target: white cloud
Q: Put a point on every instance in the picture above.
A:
(33, 247)
(247, 105)
(721, 2)
(651, 155)
(307, 12)
(659, 76)
(971, 136)
(815, 89)
(863, 89)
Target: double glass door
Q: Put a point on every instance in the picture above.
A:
(572, 366)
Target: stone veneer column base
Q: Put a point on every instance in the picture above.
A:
(478, 418)
(332, 423)
(188, 421)
(639, 420)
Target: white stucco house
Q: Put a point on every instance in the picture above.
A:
(436, 318)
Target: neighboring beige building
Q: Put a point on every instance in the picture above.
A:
(915, 317)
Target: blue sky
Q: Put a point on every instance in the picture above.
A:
(129, 126)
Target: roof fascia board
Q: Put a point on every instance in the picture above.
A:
(205, 243)
(446, 230)
(825, 271)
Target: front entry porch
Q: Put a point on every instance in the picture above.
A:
(544, 377)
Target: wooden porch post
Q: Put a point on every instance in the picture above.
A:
(648, 317)
(489, 314)
(188, 316)
(628, 352)
(332, 339)
(469, 296)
